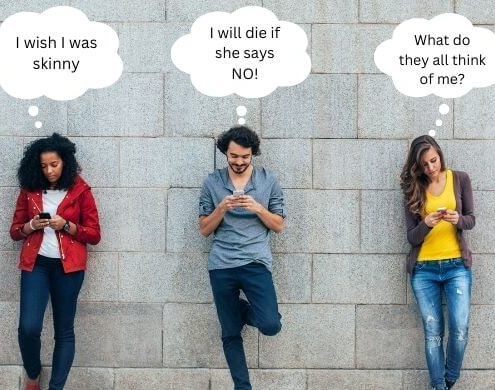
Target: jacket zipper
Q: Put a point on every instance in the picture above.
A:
(35, 205)
(60, 245)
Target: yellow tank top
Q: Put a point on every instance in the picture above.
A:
(441, 242)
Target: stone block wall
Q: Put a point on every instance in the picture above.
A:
(337, 142)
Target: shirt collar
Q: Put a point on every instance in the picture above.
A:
(227, 183)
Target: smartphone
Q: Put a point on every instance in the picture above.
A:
(238, 192)
(442, 210)
(45, 216)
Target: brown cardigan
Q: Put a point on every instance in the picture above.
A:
(417, 229)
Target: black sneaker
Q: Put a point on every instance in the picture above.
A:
(449, 384)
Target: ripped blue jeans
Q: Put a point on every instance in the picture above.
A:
(429, 280)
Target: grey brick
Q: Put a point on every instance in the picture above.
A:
(394, 115)
(9, 8)
(386, 11)
(296, 345)
(122, 11)
(358, 164)
(480, 353)
(99, 158)
(145, 47)
(475, 158)
(347, 48)
(360, 279)
(167, 379)
(471, 379)
(156, 277)
(262, 379)
(322, 106)
(133, 106)
(118, 335)
(9, 377)
(144, 220)
(333, 11)
(383, 226)
(311, 224)
(290, 159)
(9, 348)
(101, 279)
(11, 149)
(389, 336)
(472, 119)
(183, 222)
(8, 198)
(481, 238)
(483, 290)
(292, 277)
(191, 337)
(180, 10)
(354, 379)
(477, 12)
(416, 380)
(15, 120)
(81, 378)
(202, 115)
(164, 162)
(9, 276)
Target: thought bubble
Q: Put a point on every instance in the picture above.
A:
(241, 111)
(58, 53)
(446, 56)
(248, 52)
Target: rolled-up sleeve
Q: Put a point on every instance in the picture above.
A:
(206, 205)
(276, 204)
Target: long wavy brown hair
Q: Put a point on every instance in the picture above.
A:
(413, 180)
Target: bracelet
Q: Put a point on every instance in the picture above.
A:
(31, 225)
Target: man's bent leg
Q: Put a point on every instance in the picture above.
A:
(257, 284)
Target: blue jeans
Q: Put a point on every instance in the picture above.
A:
(261, 311)
(48, 279)
(429, 280)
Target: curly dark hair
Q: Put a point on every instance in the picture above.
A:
(30, 174)
(241, 135)
(413, 180)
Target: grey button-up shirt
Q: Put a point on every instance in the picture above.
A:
(241, 237)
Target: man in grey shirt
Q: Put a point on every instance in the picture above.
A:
(241, 204)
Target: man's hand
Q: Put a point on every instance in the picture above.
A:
(248, 202)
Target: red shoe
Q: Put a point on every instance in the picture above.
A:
(33, 386)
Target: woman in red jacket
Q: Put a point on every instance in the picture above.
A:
(56, 216)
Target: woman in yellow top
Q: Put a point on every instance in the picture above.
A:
(439, 206)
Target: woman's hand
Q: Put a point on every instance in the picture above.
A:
(432, 219)
(451, 216)
(57, 222)
(36, 223)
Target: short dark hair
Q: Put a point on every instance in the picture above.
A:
(241, 135)
(30, 174)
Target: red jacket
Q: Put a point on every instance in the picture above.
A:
(78, 207)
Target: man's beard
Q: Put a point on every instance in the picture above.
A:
(239, 169)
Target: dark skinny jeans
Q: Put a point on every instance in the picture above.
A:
(48, 280)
